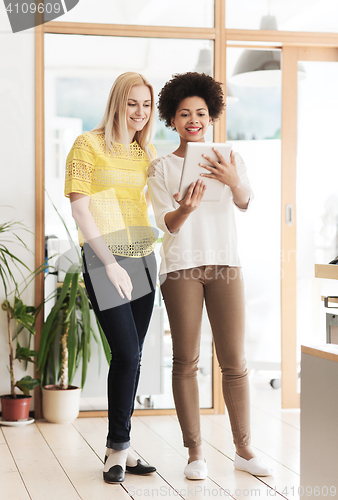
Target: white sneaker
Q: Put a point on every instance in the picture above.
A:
(196, 470)
(255, 466)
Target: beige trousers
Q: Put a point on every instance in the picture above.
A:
(223, 291)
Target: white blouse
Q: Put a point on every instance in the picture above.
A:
(208, 236)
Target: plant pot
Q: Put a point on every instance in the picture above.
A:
(60, 406)
(14, 409)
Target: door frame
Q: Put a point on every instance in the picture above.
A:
(293, 45)
(216, 35)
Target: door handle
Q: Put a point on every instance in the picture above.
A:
(289, 214)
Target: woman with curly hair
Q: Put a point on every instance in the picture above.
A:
(200, 263)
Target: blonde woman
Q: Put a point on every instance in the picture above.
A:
(105, 180)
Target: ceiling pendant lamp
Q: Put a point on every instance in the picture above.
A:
(204, 65)
(261, 68)
(230, 97)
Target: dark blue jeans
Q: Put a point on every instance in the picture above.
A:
(125, 324)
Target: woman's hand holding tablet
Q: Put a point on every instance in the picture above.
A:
(192, 197)
(222, 170)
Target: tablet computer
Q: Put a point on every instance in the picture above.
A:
(192, 170)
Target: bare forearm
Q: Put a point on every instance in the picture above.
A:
(241, 195)
(174, 220)
(92, 235)
(146, 194)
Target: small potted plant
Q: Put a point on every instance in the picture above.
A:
(15, 407)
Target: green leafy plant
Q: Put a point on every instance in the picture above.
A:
(23, 315)
(67, 332)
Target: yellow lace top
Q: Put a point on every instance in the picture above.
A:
(115, 182)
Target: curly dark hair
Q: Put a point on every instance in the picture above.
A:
(186, 85)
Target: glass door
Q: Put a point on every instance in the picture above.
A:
(309, 202)
(253, 128)
(316, 193)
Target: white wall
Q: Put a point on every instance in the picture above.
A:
(17, 164)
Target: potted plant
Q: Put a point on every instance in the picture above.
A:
(66, 340)
(15, 407)
(66, 335)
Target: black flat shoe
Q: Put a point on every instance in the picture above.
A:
(141, 468)
(114, 475)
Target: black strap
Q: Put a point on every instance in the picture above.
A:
(148, 274)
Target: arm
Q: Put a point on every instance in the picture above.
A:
(175, 219)
(146, 194)
(84, 219)
(227, 174)
(241, 195)
(169, 218)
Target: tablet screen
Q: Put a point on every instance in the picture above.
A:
(192, 170)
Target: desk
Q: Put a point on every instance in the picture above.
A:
(328, 271)
(318, 421)
(319, 413)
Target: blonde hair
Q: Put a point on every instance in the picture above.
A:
(114, 123)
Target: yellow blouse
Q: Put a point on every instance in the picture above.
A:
(115, 182)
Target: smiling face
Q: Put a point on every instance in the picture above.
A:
(192, 119)
(138, 108)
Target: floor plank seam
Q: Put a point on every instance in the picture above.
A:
(271, 488)
(56, 458)
(280, 419)
(226, 491)
(16, 465)
(85, 440)
(128, 493)
(265, 413)
(167, 442)
(176, 492)
(217, 449)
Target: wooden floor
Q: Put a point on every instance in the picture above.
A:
(64, 462)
